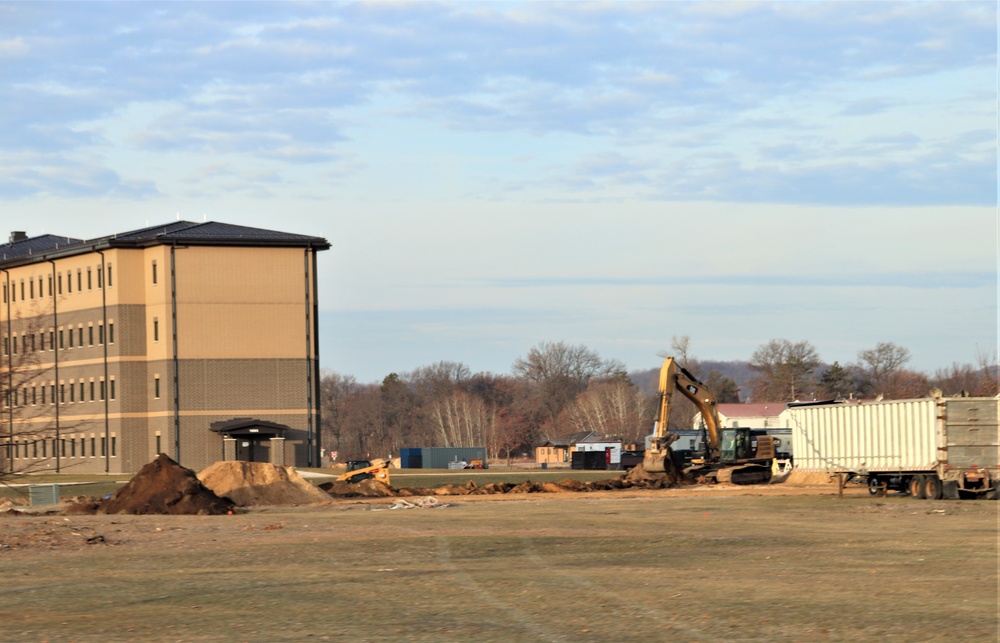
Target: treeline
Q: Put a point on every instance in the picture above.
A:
(557, 390)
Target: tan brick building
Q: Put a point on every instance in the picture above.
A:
(198, 340)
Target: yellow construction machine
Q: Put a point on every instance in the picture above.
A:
(358, 470)
(739, 455)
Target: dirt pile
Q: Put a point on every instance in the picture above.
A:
(629, 480)
(165, 487)
(364, 489)
(810, 478)
(260, 483)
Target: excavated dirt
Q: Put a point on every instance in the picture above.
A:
(260, 483)
(165, 487)
(635, 478)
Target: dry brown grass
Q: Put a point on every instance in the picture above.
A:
(680, 565)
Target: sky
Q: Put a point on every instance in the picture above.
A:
(496, 175)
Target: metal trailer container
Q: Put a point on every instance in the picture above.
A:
(612, 449)
(929, 448)
(442, 457)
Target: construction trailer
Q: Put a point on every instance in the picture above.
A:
(597, 455)
(440, 457)
(931, 447)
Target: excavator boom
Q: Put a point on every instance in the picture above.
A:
(676, 378)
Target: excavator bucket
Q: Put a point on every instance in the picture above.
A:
(662, 464)
(780, 470)
(656, 462)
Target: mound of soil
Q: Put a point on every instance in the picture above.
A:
(364, 489)
(629, 480)
(260, 483)
(165, 487)
(809, 478)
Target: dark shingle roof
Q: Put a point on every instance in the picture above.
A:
(179, 232)
(34, 246)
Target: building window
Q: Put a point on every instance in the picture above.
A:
(70, 333)
(69, 282)
(59, 279)
(100, 334)
(41, 341)
(114, 446)
(93, 446)
(50, 285)
(43, 395)
(90, 335)
(72, 447)
(22, 290)
(31, 287)
(62, 393)
(72, 392)
(79, 280)
(111, 332)
(62, 344)
(159, 448)
(154, 272)
(92, 387)
(100, 278)
(90, 281)
(109, 276)
(80, 334)
(156, 329)
(83, 447)
(156, 387)
(52, 389)
(103, 387)
(83, 391)
(112, 396)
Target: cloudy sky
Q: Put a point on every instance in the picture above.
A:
(496, 175)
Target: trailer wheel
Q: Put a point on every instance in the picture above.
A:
(916, 486)
(876, 488)
(932, 488)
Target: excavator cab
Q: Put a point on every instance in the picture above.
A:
(735, 445)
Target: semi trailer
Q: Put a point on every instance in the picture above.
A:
(932, 447)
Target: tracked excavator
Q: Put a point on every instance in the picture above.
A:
(738, 455)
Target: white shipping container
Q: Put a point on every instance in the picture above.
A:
(897, 435)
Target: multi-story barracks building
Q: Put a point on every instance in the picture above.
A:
(198, 340)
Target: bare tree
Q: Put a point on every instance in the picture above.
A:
(616, 407)
(334, 392)
(29, 433)
(557, 372)
(784, 370)
(879, 365)
(461, 419)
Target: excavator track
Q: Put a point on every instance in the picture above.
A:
(745, 474)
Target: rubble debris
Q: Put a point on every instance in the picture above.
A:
(165, 487)
(421, 503)
(260, 483)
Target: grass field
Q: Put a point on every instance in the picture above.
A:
(672, 566)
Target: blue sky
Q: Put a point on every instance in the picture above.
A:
(494, 175)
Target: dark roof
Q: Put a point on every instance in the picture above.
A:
(15, 250)
(249, 426)
(209, 233)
